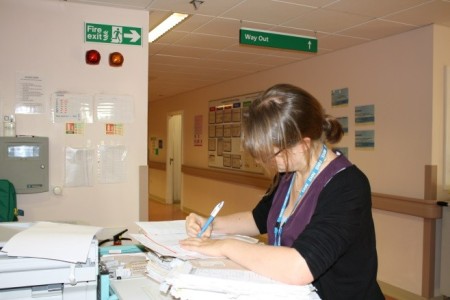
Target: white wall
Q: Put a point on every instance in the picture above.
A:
(46, 38)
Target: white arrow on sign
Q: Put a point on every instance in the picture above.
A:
(133, 35)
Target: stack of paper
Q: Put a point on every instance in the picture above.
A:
(211, 283)
(59, 241)
(190, 275)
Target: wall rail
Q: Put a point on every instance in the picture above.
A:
(426, 209)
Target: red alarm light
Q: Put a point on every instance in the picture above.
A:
(93, 57)
(116, 59)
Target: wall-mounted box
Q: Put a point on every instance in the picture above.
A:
(24, 162)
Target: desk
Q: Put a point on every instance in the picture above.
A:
(139, 288)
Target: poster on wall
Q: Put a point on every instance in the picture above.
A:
(339, 97)
(114, 108)
(112, 163)
(74, 128)
(30, 91)
(224, 134)
(198, 133)
(71, 107)
(365, 114)
(344, 123)
(365, 139)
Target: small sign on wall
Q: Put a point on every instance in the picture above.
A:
(198, 130)
(113, 34)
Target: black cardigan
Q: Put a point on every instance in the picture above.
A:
(339, 242)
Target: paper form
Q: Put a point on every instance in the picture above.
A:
(30, 93)
(163, 227)
(68, 107)
(65, 242)
(114, 108)
(167, 246)
(112, 164)
(163, 237)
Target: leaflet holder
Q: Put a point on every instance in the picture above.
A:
(24, 161)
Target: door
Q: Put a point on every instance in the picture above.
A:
(173, 164)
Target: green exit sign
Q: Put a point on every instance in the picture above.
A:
(277, 40)
(112, 34)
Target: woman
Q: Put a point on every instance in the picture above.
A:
(317, 212)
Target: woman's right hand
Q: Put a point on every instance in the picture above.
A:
(194, 224)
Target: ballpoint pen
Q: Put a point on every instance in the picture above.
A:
(213, 214)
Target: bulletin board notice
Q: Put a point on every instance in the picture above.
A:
(224, 134)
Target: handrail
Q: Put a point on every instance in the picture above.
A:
(426, 209)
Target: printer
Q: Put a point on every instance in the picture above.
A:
(29, 278)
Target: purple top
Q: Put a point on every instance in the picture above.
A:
(298, 220)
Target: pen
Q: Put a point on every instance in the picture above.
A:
(213, 214)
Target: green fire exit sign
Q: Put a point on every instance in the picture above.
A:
(277, 40)
(112, 34)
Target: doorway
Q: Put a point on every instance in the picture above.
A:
(174, 154)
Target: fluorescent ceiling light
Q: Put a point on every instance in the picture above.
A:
(166, 25)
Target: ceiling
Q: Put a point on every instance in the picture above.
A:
(204, 49)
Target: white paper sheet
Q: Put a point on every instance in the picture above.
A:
(235, 284)
(163, 237)
(167, 247)
(114, 108)
(59, 241)
(30, 93)
(71, 107)
(112, 164)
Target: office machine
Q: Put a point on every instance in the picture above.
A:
(25, 163)
(27, 278)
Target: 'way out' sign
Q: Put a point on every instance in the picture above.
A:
(278, 40)
(112, 34)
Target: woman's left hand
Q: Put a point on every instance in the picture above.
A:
(205, 246)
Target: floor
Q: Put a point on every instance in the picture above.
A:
(158, 211)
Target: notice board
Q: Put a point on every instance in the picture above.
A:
(225, 134)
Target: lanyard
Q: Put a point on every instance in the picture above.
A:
(280, 222)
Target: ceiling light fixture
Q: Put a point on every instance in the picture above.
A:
(165, 26)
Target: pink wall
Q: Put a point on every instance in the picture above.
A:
(397, 75)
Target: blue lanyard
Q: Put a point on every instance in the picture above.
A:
(280, 222)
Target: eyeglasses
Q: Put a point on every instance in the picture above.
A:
(278, 152)
(275, 154)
